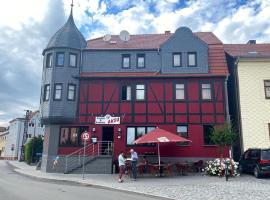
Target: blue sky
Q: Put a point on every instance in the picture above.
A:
(27, 26)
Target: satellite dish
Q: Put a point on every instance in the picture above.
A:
(124, 36)
(107, 37)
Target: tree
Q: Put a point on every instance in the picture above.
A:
(223, 136)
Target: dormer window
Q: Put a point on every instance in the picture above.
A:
(49, 60)
(126, 61)
(73, 60)
(140, 61)
(177, 59)
(192, 59)
(60, 58)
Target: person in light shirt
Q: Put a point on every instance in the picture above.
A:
(134, 160)
(121, 163)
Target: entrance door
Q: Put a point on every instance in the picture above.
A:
(107, 140)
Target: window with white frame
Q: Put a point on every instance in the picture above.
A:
(126, 93)
(49, 60)
(58, 91)
(133, 133)
(126, 61)
(46, 94)
(72, 60)
(179, 91)
(192, 59)
(140, 92)
(177, 59)
(140, 60)
(71, 92)
(206, 91)
(60, 58)
(182, 131)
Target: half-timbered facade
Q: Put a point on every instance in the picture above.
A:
(118, 90)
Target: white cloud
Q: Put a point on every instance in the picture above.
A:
(27, 26)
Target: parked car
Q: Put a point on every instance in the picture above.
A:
(256, 161)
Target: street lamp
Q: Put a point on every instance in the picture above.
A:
(27, 116)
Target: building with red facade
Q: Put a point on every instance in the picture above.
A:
(120, 88)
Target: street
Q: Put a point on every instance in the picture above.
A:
(14, 186)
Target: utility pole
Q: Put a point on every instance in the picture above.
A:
(27, 116)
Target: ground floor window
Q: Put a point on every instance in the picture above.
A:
(207, 131)
(182, 130)
(71, 136)
(133, 133)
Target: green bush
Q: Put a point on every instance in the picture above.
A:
(28, 152)
(31, 148)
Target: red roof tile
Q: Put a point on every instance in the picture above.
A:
(248, 50)
(144, 41)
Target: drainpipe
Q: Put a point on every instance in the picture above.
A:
(227, 100)
(239, 118)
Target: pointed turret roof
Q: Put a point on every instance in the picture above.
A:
(68, 36)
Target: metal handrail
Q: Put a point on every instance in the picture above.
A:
(73, 160)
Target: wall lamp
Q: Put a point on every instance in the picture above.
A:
(119, 133)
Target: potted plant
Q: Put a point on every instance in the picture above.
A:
(223, 136)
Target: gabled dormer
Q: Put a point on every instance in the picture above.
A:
(184, 52)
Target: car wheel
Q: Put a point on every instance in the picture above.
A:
(240, 170)
(257, 172)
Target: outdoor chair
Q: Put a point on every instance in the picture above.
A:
(198, 166)
(140, 168)
(181, 168)
(168, 169)
(154, 170)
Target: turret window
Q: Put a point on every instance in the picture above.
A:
(71, 92)
(46, 94)
(58, 91)
(60, 58)
(49, 60)
(72, 60)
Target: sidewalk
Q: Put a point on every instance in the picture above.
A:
(193, 186)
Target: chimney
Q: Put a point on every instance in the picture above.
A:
(167, 32)
(251, 42)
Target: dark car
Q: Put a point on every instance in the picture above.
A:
(256, 161)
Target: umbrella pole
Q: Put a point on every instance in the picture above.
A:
(158, 156)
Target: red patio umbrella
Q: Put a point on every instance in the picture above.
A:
(160, 136)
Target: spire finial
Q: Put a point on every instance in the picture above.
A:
(71, 12)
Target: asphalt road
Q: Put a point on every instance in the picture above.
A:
(14, 186)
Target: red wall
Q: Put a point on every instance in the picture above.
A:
(101, 97)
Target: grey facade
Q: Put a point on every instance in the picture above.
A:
(156, 60)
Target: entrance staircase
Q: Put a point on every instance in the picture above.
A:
(96, 158)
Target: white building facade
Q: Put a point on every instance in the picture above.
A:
(14, 139)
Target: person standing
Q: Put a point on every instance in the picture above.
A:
(134, 160)
(121, 163)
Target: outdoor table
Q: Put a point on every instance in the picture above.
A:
(160, 167)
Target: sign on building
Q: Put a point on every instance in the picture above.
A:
(107, 119)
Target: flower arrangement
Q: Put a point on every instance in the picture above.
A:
(215, 168)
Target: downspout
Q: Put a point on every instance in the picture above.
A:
(239, 118)
(228, 119)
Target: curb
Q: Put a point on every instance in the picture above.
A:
(79, 183)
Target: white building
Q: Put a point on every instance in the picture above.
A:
(34, 126)
(14, 139)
